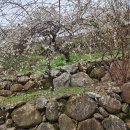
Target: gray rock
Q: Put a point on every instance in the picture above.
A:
(36, 77)
(23, 79)
(26, 116)
(62, 80)
(55, 73)
(80, 107)
(66, 123)
(72, 69)
(80, 79)
(45, 126)
(98, 116)
(94, 95)
(52, 113)
(114, 123)
(112, 105)
(41, 103)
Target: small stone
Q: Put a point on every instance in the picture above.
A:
(9, 122)
(41, 103)
(17, 88)
(45, 126)
(125, 108)
(98, 116)
(126, 92)
(103, 112)
(23, 79)
(94, 95)
(122, 115)
(116, 90)
(128, 123)
(29, 85)
(44, 118)
(5, 93)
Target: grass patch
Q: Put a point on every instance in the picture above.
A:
(46, 93)
(37, 63)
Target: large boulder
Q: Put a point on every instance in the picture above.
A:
(112, 105)
(5, 93)
(66, 123)
(26, 116)
(98, 73)
(16, 88)
(80, 79)
(62, 80)
(114, 123)
(52, 113)
(45, 126)
(80, 107)
(126, 92)
(90, 124)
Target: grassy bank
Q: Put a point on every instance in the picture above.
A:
(37, 63)
(46, 93)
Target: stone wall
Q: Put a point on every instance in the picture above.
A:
(77, 74)
(88, 111)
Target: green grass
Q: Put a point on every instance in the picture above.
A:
(38, 62)
(59, 60)
(46, 93)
